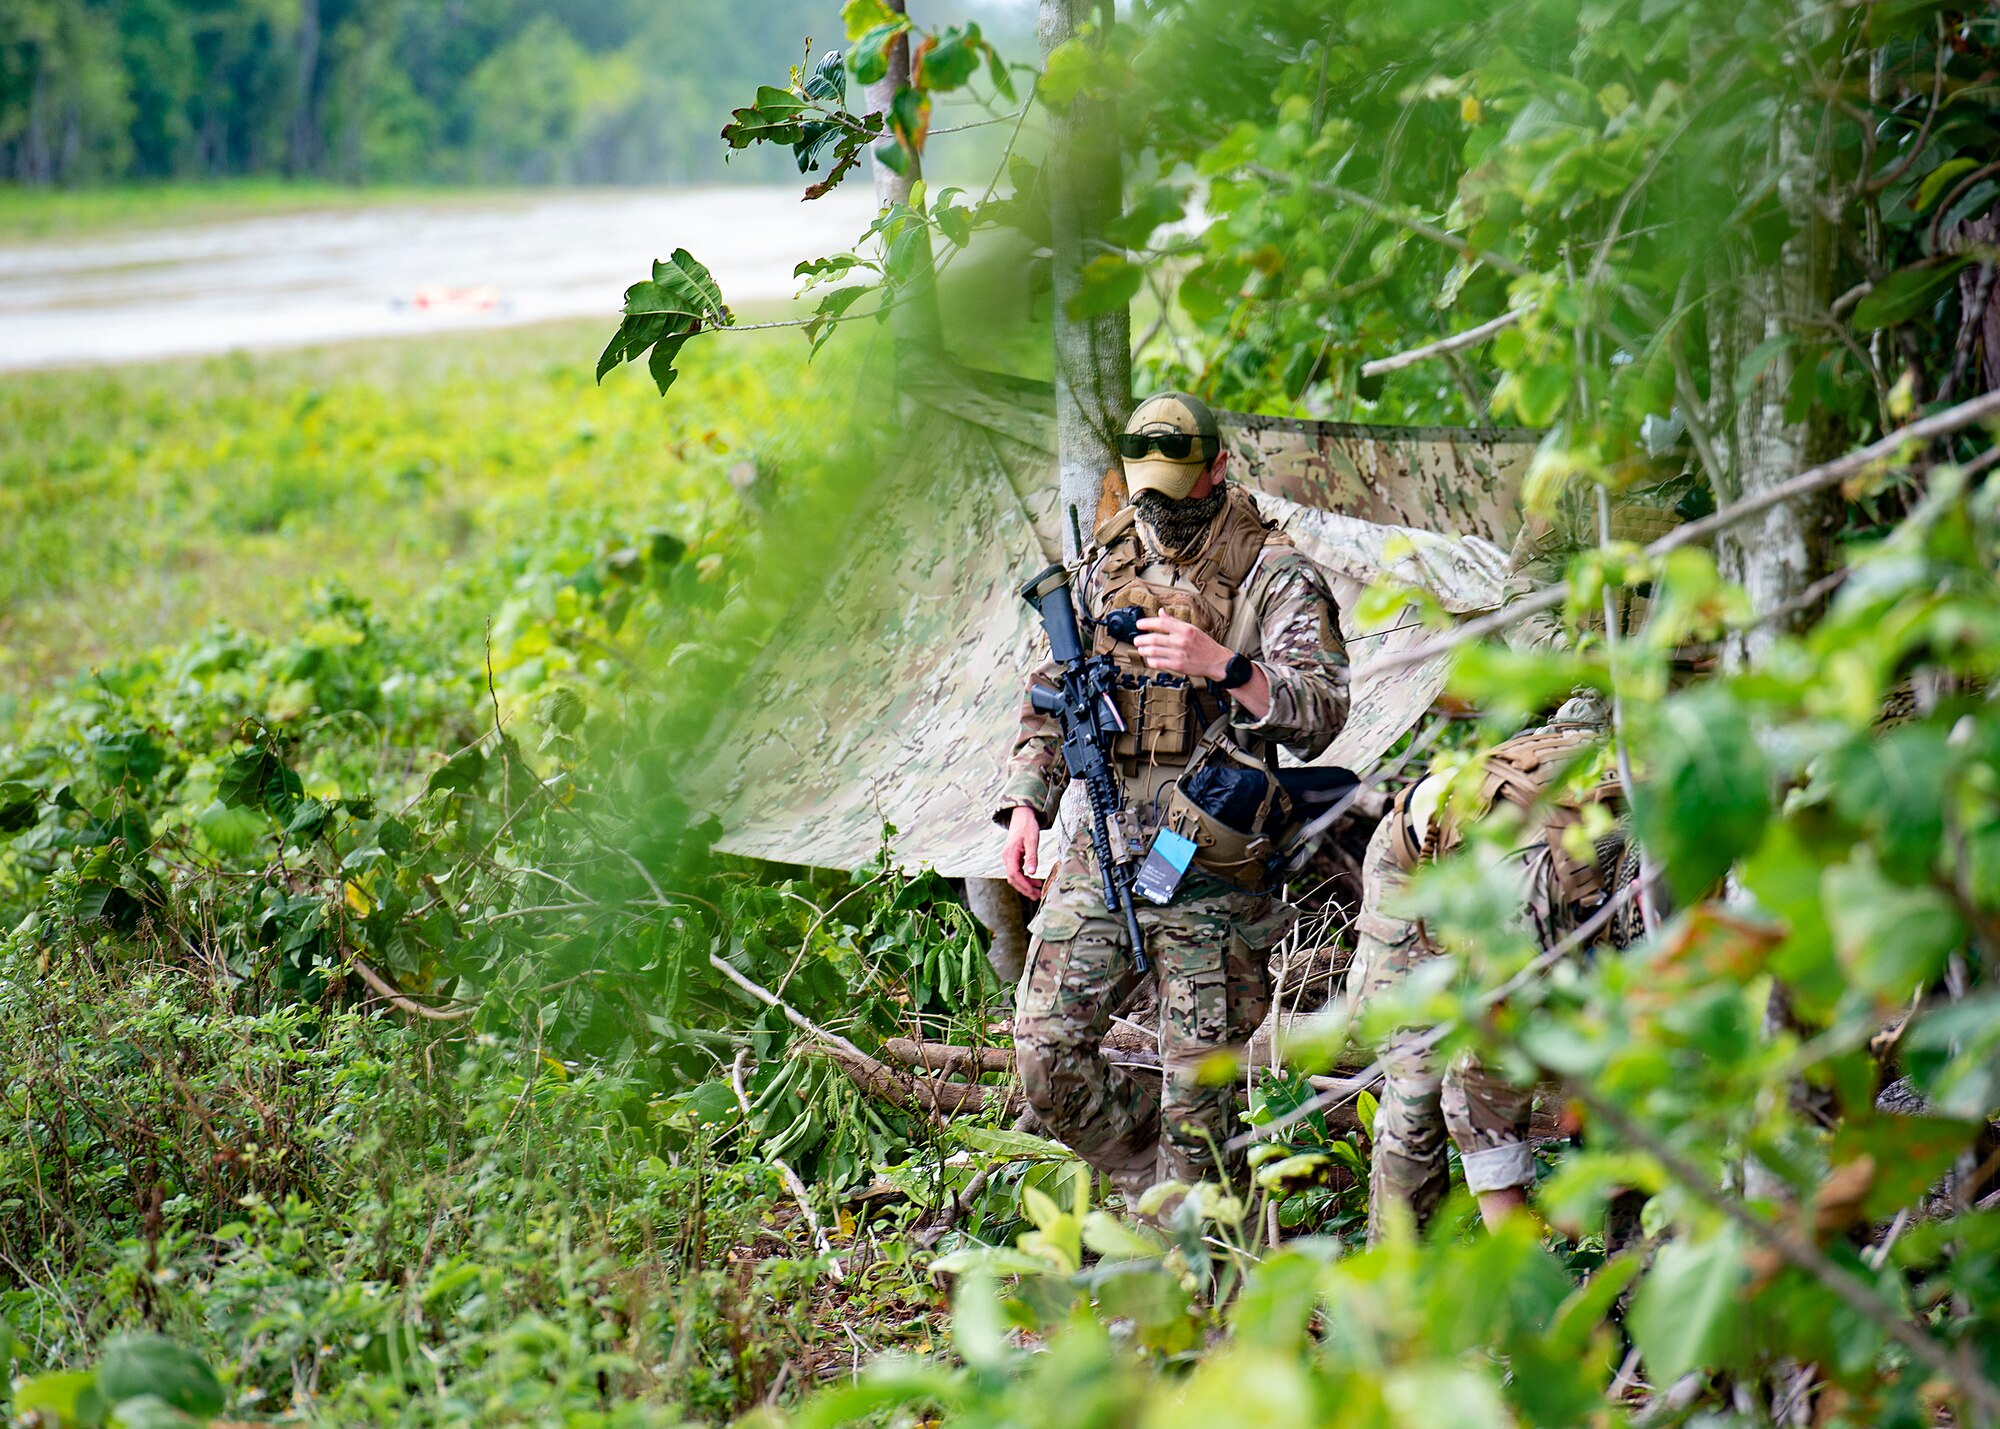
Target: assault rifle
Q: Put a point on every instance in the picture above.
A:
(1089, 719)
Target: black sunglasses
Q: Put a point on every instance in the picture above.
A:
(1174, 446)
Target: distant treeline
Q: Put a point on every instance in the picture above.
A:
(386, 91)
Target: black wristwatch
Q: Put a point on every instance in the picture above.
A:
(1238, 673)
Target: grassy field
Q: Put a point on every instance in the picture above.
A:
(139, 504)
(27, 213)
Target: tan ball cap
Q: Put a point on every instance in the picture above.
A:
(1167, 413)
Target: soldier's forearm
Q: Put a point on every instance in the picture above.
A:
(1254, 698)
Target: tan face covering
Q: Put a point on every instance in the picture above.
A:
(1179, 525)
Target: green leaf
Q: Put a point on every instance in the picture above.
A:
(826, 316)
(950, 62)
(135, 1365)
(1108, 282)
(1070, 70)
(774, 117)
(1702, 798)
(859, 17)
(1784, 874)
(1687, 1312)
(1940, 179)
(868, 56)
(1911, 1153)
(66, 1397)
(126, 754)
(995, 1259)
(827, 87)
(681, 288)
(1114, 1240)
(459, 773)
(1907, 292)
(20, 807)
(1891, 937)
(910, 118)
(1013, 1145)
(1893, 786)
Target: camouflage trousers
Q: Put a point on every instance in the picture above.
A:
(1208, 951)
(1421, 1102)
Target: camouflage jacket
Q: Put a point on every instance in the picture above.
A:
(1296, 642)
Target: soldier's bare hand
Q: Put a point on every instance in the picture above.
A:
(1024, 837)
(1180, 648)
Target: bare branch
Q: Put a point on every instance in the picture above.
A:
(1939, 424)
(1457, 342)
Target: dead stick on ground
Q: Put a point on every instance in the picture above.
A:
(1952, 419)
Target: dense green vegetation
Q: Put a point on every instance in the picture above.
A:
(375, 1149)
(386, 91)
(390, 1037)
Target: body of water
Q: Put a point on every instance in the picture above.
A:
(385, 270)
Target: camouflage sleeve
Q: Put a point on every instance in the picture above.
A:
(1303, 657)
(1035, 775)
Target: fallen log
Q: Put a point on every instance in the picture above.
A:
(948, 1057)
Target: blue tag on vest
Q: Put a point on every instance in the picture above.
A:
(1166, 864)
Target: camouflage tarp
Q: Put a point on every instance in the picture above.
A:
(890, 699)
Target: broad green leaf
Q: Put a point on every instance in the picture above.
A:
(1907, 292)
(1111, 1238)
(1429, 1395)
(460, 773)
(69, 1398)
(949, 62)
(20, 807)
(135, 1365)
(997, 1259)
(868, 56)
(1910, 1154)
(1070, 69)
(1784, 874)
(1891, 937)
(1108, 283)
(774, 117)
(1941, 178)
(1013, 1145)
(1953, 1054)
(1688, 1311)
(149, 1411)
(858, 17)
(1701, 800)
(978, 1329)
(1893, 786)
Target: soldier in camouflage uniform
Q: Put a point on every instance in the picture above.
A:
(1485, 1115)
(1240, 644)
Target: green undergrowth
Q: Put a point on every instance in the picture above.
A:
(358, 957)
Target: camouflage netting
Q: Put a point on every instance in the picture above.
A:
(891, 699)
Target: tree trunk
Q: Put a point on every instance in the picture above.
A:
(1776, 556)
(914, 326)
(997, 906)
(305, 131)
(1093, 355)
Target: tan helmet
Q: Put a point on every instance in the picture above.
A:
(1174, 470)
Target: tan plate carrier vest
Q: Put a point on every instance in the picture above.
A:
(1169, 722)
(1206, 588)
(1518, 772)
